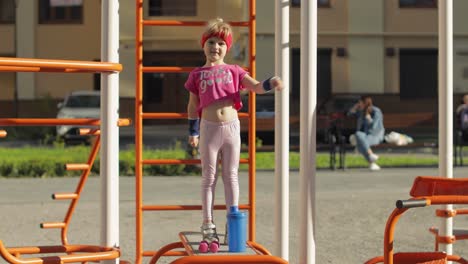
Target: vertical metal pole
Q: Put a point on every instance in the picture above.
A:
(308, 130)
(138, 131)
(15, 93)
(446, 105)
(252, 120)
(109, 129)
(282, 130)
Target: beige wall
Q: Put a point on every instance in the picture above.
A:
(346, 24)
(71, 42)
(7, 85)
(7, 79)
(7, 43)
(409, 19)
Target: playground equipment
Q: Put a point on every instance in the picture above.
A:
(75, 196)
(80, 253)
(426, 191)
(458, 233)
(188, 255)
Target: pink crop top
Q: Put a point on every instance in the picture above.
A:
(215, 83)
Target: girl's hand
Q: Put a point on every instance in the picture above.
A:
(193, 141)
(277, 83)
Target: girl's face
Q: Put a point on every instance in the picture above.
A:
(215, 49)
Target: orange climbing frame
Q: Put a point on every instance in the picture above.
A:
(262, 255)
(426, 191)
(75, 196)
(64, 253)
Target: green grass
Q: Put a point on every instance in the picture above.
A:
(50, 161)
(265, 160)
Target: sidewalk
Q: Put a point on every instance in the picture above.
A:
(351, 210)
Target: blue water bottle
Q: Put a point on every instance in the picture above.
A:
(237, 229)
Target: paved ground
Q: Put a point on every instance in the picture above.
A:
(351, 210)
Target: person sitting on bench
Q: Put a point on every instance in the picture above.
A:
(369, 130)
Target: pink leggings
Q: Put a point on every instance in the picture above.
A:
(219, 138)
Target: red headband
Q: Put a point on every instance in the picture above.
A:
(226, 37)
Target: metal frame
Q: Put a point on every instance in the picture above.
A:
(86, 252)
(139, 161)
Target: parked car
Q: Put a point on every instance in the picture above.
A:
(332, 117)
(78, 104)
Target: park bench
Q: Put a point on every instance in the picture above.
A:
(405, 123)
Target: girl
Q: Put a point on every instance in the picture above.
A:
(215, 99)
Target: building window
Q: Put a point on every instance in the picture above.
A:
(60, 12)
(321, 3)
(417, 3)
(7, 11)
(172, 8)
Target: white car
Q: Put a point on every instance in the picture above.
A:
(78, 104)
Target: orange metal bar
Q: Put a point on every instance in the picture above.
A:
(187, 23)
(171, 69)
(176, 115)
(47, 64)
(53, 225)
(186, 207)
(3, 133)
(258, 248)
(124, 122)
(56, 121)
(151, 253)
(48, 121)
(39, 69)
(77, 166)
(164, 115)
(90, 132)
(389, 234)
(64, 196)
(164, 250)
(252, 120)
(138, 131)
(167, 69)
(179, 161)
(87, 253)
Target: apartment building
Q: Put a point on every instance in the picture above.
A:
(387, 48)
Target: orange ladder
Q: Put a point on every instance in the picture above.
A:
(262, 255)
(75, 196)
(64, 253)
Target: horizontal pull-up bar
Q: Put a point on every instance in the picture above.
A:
(171, 69)
(56, 121)
(10, 64)
(189, 23)
(161, 115)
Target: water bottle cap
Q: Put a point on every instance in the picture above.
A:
(234, 209)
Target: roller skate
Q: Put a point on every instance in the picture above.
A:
(210, 240)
